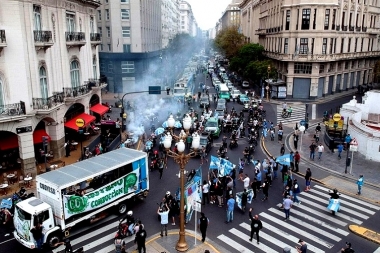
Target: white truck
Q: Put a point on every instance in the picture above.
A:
(85, 191)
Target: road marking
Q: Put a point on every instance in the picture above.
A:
(365, 217)
(306, 225)
(245, 237)
(346, 217)
(109, 248)
(233, 244)
(347, 203)
(319, 222)
(377, 251)
(297, 230)
(351, 198)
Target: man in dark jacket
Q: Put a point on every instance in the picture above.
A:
(140, 239)
(256, 225)
(202, 225)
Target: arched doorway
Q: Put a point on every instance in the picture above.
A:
(9, 151)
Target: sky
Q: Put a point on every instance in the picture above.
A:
(208, 12)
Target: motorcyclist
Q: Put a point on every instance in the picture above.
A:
(130, 222)
(233, 136)
(334, 194)
(246, 153)
(347, 249)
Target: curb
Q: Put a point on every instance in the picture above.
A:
(361, 231)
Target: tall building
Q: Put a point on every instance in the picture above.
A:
(248, 23)
(170, 20)
(131, 41)
(187, 20)
(48, 76)
(231, 15)
(320, 49)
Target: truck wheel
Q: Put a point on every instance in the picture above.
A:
(52, 240)
(122, 208)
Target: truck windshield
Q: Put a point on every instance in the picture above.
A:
(22, 214)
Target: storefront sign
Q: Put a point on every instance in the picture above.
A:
(102, 196)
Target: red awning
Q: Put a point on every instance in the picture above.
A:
(9, 142)
(99, 109)
(86, 117)
(37, 136)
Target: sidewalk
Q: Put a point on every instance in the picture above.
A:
(167, 244)
(345, 182)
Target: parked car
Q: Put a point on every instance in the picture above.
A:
(222, 101)
(245, 84)
(235, 93)
(229, 85)
(212, 127)
(220, 110)
(204, 101)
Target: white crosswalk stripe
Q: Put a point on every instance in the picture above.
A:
(298, 113)
(310, 220)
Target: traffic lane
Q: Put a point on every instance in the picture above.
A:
(10, 245)
(334, 105)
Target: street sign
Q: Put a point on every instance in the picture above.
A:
(354, 145)
(79, 122)
(337, 117)
(155, 90)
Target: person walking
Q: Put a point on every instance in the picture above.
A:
(320, 150)
(202, 225)
(246, 181)
(140, 239)
(205, 191)
(360, 183)
(295, 140)
(244, 200)
(230, 209)
(282, 150)
(38, 235)
(256, 226)
(296, 191)
(265, 187)
(302, 248)
(287, 204)
(312, 148)
(67, 148)
(203, 155)
(119, 244)
(164, 214)
(297, 160)
(340, 150)
(308, 179)
(161, 166)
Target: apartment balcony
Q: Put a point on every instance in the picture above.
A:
(43, 39)
(364, 29)
(46, 105)
(321, 57)
(261, 31)
(96, 39)
(358, 29)
(11, 112)
(374, 31)
(3, 40)
(73, 94)
(75, 39)
(95, 84)
(338, 27)
(352, 28)
(344, 28)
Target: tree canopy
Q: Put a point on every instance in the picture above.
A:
(229, 41)
(256, 70)
(246, 54)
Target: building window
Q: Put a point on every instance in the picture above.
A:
(101, 47)
(100, 31)
(110, 67)
(321, 68)
(102, 67)
(324, 45)
(304, 46)
(124, 14)
(341, 46)
(109, 47)
(127, 67)
(302, 68)
(305, 19)
(107, 14)
(74, 74)
(92, 26)
(361, 45)
(43, 83)
(37, 17)
(333, 19)
(346, 64)
(349, 45)
(343, 18)
(124, 1)
(287, 24)
(327, 19)
(126, 31)
(126, 48)
(286, 45)
(335, 45)
(99, 15)
(315, 18)
(1, 92)
(353, 64)
(70, 22)
(108, 31)
(331, 45)
(94, 67)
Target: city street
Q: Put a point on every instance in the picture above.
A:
(309, 221)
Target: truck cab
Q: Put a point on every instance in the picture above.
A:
(27, 214)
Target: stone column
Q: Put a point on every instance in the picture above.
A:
(26, 151)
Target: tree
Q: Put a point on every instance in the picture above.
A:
(257, 70)
(229, 41)
(247, 53)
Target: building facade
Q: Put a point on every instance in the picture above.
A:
(170, 21)
(131, 41)
(231, 16)
(48, 76)
(320, 48)
(248, 23)
(187, 19)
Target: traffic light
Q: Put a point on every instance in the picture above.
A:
(45, 140)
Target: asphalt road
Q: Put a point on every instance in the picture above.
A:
(234, 236)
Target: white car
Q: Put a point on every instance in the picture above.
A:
(235, 93)
(216, 83)
(245, 84)
(229, 85)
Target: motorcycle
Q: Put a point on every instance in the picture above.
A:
(233, 144)
(123, 231)
(334, 202)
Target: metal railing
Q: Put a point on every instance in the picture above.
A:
(42, 36)
(11, 110)
(3, 39)
(48, 103)
(344, 28)
(76, 91)
(358, 28)
(364, 29)
(75, 36)
(95, 37)
(338, 27)
(352, 28)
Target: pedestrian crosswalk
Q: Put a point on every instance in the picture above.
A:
(310, 221)
(298, 114)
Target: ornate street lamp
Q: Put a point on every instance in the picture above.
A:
(182, 159)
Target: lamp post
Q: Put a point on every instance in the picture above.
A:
(267, 88)
(182, 159)
(302, 129)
